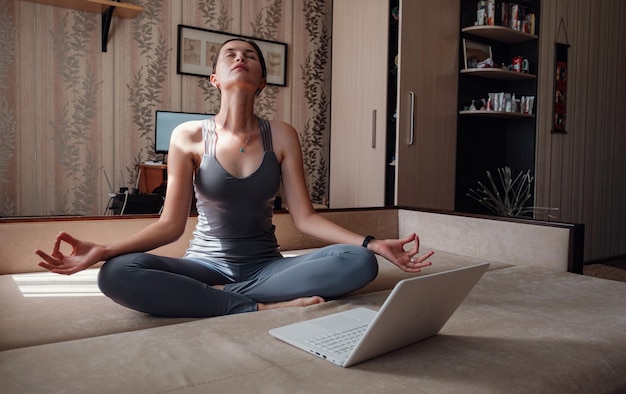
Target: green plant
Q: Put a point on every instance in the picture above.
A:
(511, 197)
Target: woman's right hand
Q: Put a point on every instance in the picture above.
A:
(83, 255)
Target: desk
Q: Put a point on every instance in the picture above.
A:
(153, 177)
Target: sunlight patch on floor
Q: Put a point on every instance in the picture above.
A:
(47, 284)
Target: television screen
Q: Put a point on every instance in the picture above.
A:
(166, 122)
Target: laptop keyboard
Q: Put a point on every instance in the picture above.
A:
(340, 341)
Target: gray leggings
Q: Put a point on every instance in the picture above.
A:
(181, 287)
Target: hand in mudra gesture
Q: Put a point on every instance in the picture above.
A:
(83, 255)
(407, 260)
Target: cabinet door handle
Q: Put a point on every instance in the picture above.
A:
(412, 133)
(374, 129)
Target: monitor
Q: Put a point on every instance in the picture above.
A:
(166, 122)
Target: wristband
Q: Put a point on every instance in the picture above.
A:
(367, 240)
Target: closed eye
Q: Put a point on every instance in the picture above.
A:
(248, 53)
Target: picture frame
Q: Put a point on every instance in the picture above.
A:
(475, 52)
(197, 47)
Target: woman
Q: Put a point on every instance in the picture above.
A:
(235, 162)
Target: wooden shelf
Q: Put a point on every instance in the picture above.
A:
(499, 33)
(498, 73)
(496, 114)
(122, 10)
(107, 8)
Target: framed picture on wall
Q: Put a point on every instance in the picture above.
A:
(476, 53)
(197, 48)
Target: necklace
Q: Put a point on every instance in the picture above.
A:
(242, 149)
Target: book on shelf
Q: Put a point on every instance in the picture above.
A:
(491, 12)
(486, 13)
(512, 15)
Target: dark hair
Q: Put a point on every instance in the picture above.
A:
(256, 49)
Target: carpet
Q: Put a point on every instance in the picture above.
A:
(612, 271)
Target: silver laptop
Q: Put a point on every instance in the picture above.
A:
(416, 309)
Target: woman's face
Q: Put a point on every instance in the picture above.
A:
(238, 63)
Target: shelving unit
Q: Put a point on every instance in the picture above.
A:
(487, 139)
(107, 8)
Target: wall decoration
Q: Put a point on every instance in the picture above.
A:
(560, 83)
(197, 48)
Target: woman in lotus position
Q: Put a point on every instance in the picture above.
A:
(235, 162)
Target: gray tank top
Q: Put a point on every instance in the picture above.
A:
(235, 214)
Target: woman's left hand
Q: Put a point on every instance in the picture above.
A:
(407, 260)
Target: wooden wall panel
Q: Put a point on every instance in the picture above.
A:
(618, 181)
(581, 172)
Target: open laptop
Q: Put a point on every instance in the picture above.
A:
(416, 309)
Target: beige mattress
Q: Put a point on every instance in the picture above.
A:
(520, 330)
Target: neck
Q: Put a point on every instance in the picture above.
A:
(236, 113)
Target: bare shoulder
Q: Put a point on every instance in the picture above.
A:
(186, 143)
(282, 128)
(188, 131)
(186, 136)
(284, 138)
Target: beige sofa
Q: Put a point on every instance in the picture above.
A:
(529, 325)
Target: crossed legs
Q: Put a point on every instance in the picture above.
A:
(184, 287)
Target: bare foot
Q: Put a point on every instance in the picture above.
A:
(304, 301)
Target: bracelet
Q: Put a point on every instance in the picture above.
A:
(367, 240)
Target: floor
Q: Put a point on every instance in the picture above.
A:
(615, 270)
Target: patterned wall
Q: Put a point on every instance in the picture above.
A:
(582, 172)
(68, 111)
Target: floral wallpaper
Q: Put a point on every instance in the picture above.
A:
(69, 112)
(314, 137)
(8, 121)
(146, 87)
(71, 128)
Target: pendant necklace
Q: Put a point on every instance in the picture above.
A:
(242, 149)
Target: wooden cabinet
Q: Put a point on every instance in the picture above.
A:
(393, 127)
(427, 96)
(358, 103)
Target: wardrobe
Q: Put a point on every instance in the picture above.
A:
(394, 103)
